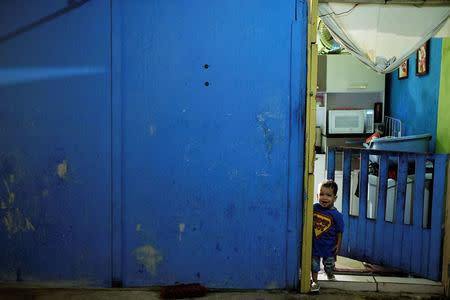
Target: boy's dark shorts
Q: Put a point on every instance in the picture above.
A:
(328, 264)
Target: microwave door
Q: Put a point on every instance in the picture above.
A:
(346, 121)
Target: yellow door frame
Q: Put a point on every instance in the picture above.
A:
(310, 135)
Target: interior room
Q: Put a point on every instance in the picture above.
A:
(402, 104)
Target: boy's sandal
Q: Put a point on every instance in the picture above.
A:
(332, 278)
(315, 287)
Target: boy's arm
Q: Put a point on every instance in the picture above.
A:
(338, 243)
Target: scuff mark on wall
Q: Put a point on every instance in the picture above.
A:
(61, 170)
(148, 257)
(230, 211)
(14, 220)
(187, 153)
(273, 285)
(182, 226)
(138, 227)
(11, 195)
(152, 130)
(45, 193)
(232, 173)
(268, 135)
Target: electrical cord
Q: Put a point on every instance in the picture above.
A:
(341, 13)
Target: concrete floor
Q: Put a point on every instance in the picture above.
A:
(9, 293)
(365, 286)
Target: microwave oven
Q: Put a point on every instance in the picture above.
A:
(350, 121)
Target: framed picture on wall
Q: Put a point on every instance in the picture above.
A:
(403, 70)
(423, 59)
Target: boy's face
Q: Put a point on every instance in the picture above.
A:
(327, 197)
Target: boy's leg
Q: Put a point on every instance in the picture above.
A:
(315, 268)
(314, 276)
(328, 264)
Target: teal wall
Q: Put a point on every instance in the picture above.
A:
(414, 100)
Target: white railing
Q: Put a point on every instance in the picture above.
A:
(393, 127)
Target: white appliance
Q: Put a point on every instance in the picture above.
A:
(346, 121)
(341, 121)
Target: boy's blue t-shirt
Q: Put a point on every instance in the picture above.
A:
(326, 224)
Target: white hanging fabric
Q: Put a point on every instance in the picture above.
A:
(444, 32)
(382, 36)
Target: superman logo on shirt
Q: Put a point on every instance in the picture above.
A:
(322, 223)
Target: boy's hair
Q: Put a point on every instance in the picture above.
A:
(328, 183)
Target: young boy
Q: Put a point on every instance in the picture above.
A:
(328, 226)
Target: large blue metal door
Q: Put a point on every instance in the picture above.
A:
(209, 174)
(152, 142)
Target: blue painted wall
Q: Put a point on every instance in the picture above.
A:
(119, 164)
(415, 100)
(55, 144)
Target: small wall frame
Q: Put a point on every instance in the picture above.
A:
(403, 70)
(423, 59)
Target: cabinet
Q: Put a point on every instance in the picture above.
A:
(345, 73)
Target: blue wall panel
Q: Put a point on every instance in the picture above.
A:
(55, 143)
(415, 100)
(205, 168)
